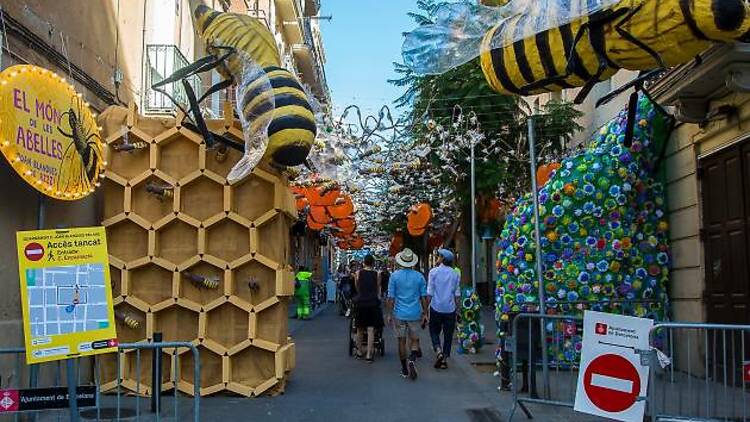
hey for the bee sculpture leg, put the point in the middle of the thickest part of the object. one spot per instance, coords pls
(594, 28)
(201, 65)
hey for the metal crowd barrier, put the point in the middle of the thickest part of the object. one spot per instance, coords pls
(560, 332)
(704, 380)
(118, 401)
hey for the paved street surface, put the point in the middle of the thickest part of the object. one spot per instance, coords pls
(328, 385)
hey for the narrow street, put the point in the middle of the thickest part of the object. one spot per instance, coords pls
(328, 385)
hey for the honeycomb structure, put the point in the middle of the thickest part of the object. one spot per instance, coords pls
(195, 258)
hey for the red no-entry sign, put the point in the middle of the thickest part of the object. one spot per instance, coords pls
(612, 375)
(34, 251)
(612, 383)
(746, 371)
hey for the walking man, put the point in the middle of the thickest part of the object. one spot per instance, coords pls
(443, 296)
(406, 308)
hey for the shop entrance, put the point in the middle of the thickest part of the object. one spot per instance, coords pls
(725, 187)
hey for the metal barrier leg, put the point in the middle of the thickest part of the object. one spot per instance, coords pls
(70, 372)
(156, 376)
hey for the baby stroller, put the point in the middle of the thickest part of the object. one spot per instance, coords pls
(379, 340)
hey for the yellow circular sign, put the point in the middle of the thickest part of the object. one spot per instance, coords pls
(48, 133)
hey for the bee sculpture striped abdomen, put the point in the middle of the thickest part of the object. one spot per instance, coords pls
(544, 62)
(292, 127)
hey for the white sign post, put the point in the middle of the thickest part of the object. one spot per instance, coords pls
(611, 377)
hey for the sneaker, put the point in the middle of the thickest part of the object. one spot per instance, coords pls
(412, 370)
(404, 373)
(348, 313)
(444, 364)
(439, 360)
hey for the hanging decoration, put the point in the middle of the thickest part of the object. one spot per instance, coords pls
(418, 218)
(48, 133)
(544, 172)
(505, 37)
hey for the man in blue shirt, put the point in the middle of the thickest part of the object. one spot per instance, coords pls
(443, 295)
(406, 307)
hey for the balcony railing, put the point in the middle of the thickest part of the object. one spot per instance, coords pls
(161, 62)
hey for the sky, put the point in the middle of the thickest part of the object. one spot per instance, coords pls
(361, 42)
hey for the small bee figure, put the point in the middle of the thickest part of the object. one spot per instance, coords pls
(81, 161)
(201, 281)
(161, 192)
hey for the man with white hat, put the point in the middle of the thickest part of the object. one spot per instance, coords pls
(406, 308)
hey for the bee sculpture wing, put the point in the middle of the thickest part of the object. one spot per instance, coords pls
(255, 107)
(456, 33)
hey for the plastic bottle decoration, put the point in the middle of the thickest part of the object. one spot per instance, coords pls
(604, 232)
(319, 214)
(470, 330)
(544, 172)
(343, 209)
(314, 225)
(397, 243)
(418, 218)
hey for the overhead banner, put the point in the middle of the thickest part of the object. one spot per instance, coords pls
(48, 134)
(66, 295)
(611, 379)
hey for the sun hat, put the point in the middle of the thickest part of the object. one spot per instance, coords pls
(446, 254)
(407, 258)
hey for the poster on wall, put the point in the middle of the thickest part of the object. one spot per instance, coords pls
(66, 295)
(48, 134)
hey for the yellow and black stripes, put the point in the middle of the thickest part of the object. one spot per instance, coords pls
(519, 58)
(548, 60)
(284, 106)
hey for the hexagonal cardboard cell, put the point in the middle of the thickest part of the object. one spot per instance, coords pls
(252, 367)
(127, 241)
(129, 164)
(115, 280)
(221, 164)
(114, 199)
(211, 369)
(273, 323)
(150, 283)
(227, 240)
(227, 325)
(130, 324)
(176, 242)
(149, 205)
(199, 293)
(178, 157)
(138, 364)
(176, 324)
(106, 365)
(274, 238)
(202, 198)
(254, 282)
(253, 197)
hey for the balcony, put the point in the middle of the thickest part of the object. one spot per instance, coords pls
(162, 60)
(721, 70)
(312, 7)
(309, 62)
(290, 12)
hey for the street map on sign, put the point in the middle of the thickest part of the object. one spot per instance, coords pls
(66, 293)
(64, 300)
